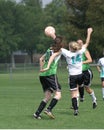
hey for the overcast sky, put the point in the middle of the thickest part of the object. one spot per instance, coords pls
(44, 1)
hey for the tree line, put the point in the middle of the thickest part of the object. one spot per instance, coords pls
(22, 25)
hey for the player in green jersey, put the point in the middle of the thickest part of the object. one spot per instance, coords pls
(49, 80)
(88, 75)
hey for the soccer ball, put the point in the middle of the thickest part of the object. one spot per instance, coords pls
(49, 31)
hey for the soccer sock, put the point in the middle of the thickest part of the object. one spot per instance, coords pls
(81, 92)
(41, 107)
(74, 103)
(78, 101)
(103, 92)
(93, 96)
(52, 104)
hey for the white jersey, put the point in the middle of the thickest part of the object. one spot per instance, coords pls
(74, 60)
(101, 64)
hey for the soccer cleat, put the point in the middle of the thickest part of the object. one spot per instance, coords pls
(94, 105)
(37, 116)
(49, 113)
(75, 112)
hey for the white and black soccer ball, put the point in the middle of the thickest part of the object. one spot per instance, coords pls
(49, 31)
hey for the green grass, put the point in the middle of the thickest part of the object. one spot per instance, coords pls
(21, 93)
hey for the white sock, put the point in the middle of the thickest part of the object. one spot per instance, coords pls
(93, 96)
(78, 99)
(103, 92)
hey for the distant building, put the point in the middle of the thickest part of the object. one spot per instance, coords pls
(20, 57)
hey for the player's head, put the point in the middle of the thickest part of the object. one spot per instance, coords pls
(80, 42)
(58, 40)
(74, 46)
(57, 45)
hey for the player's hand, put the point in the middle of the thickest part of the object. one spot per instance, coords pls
(52, 35)
(43, 70)
(89, 30)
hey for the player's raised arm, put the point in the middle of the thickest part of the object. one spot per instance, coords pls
(89, 32)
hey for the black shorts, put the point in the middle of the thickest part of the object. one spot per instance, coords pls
(50, 83)
(88, 76)
(75, 80)
(102, 79)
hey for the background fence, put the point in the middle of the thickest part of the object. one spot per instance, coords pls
(24, 67)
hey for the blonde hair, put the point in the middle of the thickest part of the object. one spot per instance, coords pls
(74, 46)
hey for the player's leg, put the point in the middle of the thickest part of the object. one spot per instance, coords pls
(74, 94)
(47, 96)
(55, 86)
(87, 83)
(77, 100)
(52, 104)
(42, 104)
(81, 93)
(81, 88)
(102, 82)
(54, 101)
(92, 94)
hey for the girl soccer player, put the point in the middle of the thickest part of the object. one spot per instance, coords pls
(100, 67)
(49, 80)
(88, 75)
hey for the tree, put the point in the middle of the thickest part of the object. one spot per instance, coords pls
(94, 16)
(84, 14)
(33, 26)
(55, 16)
(77, 12)
(8, 38)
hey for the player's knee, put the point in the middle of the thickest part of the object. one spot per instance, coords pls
(58, 96)
(46, 99)
(89, 90)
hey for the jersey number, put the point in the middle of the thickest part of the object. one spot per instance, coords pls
(76, 59)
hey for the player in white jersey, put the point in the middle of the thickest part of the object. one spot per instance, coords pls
(74, 62)
(100, 67)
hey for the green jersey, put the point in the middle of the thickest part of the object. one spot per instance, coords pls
(53, 68)
(85, 66)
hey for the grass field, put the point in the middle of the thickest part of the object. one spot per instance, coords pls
(21, 93)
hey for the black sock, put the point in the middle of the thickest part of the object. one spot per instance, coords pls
(74, 103)
(41, 107)
(81, 92)
(52, 104)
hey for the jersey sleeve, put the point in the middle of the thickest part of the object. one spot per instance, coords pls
(83, 49)
(64, 52)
